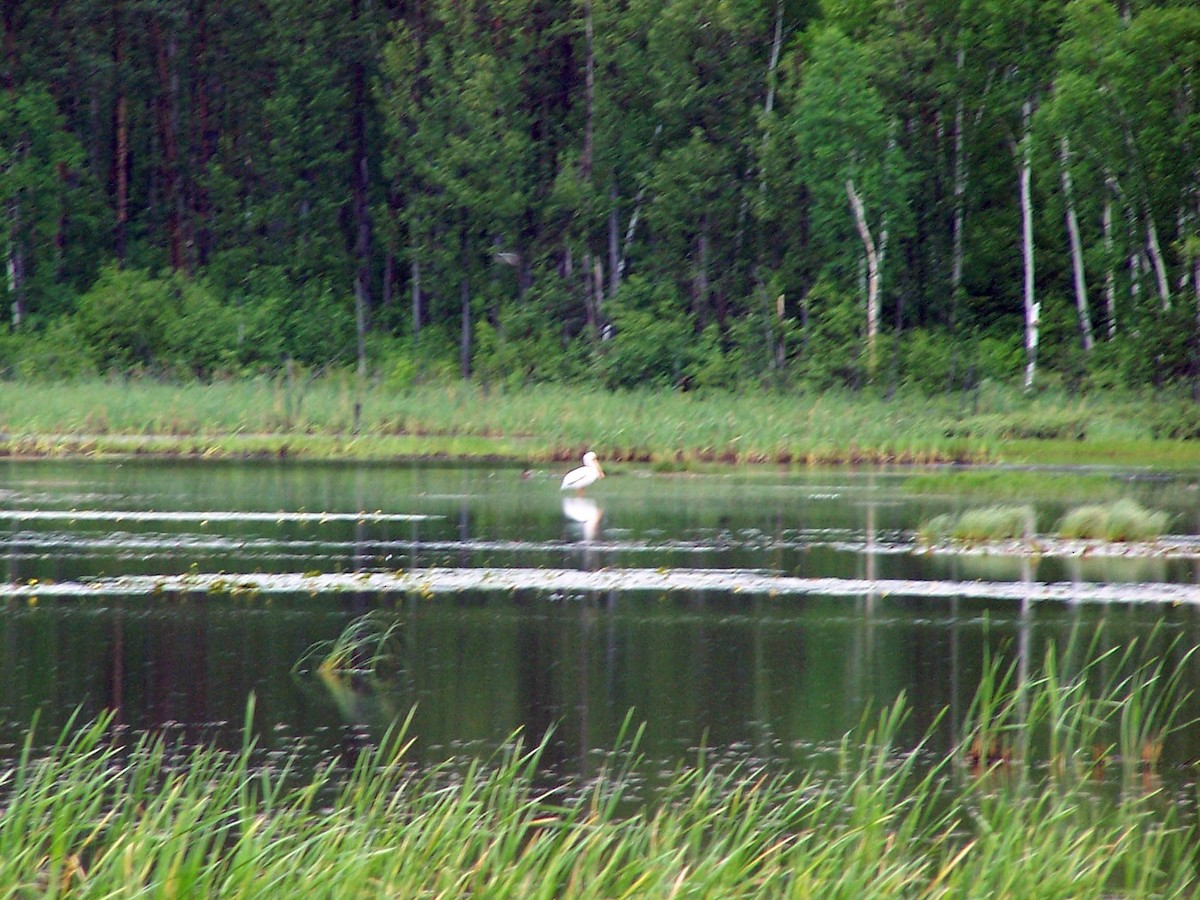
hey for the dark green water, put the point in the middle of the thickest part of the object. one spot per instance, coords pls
(749, 675)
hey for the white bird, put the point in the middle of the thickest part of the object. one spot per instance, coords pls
(589, 473)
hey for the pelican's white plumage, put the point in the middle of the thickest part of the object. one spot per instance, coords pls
(589, 473)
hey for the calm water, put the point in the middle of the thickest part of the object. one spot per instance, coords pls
(768, 676)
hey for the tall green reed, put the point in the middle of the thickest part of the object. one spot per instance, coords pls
(100, 814)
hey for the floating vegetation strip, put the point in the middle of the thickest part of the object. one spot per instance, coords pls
(571, 581)
(140, 515)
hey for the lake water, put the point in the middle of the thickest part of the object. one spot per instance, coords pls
(770, 673)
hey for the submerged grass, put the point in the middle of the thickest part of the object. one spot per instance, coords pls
(336, 415)
(92, 818)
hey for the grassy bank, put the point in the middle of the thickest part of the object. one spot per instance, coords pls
(333, 417)
(1050, 791)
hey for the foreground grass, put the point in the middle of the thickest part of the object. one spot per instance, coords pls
(89, 818)
(336, 417)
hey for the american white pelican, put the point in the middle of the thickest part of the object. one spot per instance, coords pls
(589, 473)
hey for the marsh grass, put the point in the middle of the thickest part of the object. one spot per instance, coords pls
(973, 526)
(337, 415)
(92, 816)
(1122, 520)
(1008, 484)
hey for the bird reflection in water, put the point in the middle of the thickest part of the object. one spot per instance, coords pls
(585, 513)
(584, 516)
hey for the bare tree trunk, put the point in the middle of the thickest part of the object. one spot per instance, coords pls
(1156, 260)
(630, 230)
(773, 63)
(15, 264)
(700, 288)
(464, 288)
(598, 288)
(206, 138)
(1135, 254)
(590, 303)
(464, 347)
(362, 209)
(362, 270)
(415, 285)
(121, 135)
(1081, 300)
(589, 81)
(872, 259)
(960, 202)
(614, 248)
(1110, 277)
(1032, 306)
(164, 53)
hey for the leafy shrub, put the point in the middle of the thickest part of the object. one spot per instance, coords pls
(1178, 420)
(202, 338)
(835, 338)
(1158, 349)
(130, 320)
(520, 349)
(654, 341)
(927, 357)
(309, 321)
(57, 354)
(124, 318)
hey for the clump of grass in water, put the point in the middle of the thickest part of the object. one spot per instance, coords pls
(367, 647)
(1124, 520)
(973, 526)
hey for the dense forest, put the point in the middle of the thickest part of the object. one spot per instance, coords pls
(689, 193)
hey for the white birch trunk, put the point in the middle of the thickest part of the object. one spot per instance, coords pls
(1156, 261)
(1032, 306)
(1135, 255)
(872, 260)
(1110, 276)
(15, 265)
(1081, 300)
(629, 232)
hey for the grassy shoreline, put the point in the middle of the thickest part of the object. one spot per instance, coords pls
(334, 417)
(1017, 807)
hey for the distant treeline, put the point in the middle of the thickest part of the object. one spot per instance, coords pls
(675, 192)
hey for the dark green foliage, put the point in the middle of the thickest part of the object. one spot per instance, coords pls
(654, 342)
(502, 182)
(1173, 419)
(125, 317)
(57, 354)
(130, 321)
(833, 352)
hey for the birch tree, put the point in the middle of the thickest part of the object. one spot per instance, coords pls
(1016, 39)
(851, 166)
(34, 149)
